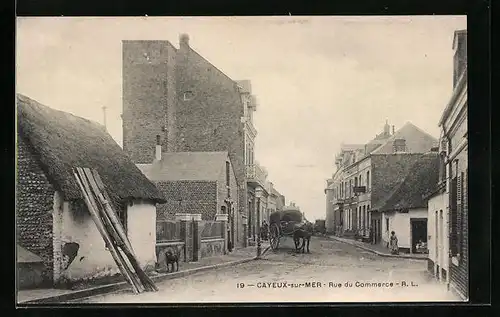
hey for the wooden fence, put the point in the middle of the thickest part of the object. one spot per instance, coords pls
(167, 231)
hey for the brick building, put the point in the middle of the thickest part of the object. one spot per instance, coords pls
(449, 259)
(194, 107)
(52, 220)
(366, 175)
(197, 183)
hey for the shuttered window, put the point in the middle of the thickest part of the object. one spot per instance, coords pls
(460, 217)
(453, 217)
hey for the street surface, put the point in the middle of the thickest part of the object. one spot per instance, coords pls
(284, 276)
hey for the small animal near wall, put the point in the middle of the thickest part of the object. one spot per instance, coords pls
(169, 258)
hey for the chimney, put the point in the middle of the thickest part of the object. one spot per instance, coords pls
(184, 41)
(460, 57)
(387, 129)
(104, 117)
(393, 130)
(158, 148)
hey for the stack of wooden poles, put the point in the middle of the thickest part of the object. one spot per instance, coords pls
(107, 222)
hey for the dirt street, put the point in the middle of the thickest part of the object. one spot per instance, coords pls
(332, 272)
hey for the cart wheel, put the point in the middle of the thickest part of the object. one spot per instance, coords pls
(274, 236)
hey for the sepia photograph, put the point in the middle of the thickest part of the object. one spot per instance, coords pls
(241, 159)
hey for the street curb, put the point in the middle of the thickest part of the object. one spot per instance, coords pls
(377, 252)
(109, 288)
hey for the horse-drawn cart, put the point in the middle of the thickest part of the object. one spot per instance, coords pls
(283, 223)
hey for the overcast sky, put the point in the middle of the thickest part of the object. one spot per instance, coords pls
(320, 81)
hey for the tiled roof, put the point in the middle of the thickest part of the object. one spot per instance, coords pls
(199, 166)
(421, 180)
(352, 147)
(417, 140)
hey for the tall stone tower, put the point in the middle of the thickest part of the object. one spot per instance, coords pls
(149, 98)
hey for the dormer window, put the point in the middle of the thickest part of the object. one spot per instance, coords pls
(188, 95)
(399, 145)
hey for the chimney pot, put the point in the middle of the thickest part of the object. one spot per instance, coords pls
(184, 40)
(158, 148)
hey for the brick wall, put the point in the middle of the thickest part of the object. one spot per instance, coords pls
(34, 205)
(459, 274)
(153, 97)
(188, 197)
(148, 98)
(211, 120)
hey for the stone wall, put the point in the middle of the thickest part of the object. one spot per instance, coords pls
(34, 206)
(212, 247)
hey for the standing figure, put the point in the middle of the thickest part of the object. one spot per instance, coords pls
(393, 242)
(264, 230)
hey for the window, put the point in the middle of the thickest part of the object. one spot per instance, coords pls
(386, 224)
(399, 145)
(460, 212)
(442, 167)
(188, 95)
(355, 181)
(360, 180)
(367, 180)
(359, 217)
(365, 218)
(228, 169)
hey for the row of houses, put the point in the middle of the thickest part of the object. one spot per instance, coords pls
(412, 183)
(371, 183)
(188, 157)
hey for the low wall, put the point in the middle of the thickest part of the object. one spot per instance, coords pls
(212, 247)
(175, 246)
(30, 275)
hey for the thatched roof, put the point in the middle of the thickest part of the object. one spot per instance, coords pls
(421, 180)
(62, 141)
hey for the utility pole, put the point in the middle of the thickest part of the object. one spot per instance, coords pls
(104, 116)
(258, 194)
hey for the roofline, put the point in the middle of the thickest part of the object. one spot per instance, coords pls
(393, 137)
(211, 64)
(441, 188)
(456, 92)
(457, 32)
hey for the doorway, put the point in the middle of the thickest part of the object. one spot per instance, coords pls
(377, 232)
(436, 245)
(418, 232)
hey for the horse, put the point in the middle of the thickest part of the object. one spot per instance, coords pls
(304, 232)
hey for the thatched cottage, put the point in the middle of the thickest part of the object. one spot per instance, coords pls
(53, 221)
(405, 209)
